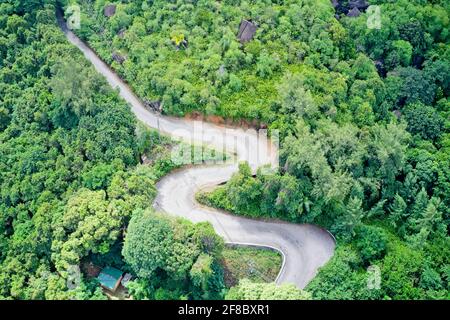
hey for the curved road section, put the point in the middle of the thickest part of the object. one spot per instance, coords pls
(305, 248)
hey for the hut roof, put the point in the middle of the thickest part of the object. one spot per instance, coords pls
(117, 57)
(109, 10)
(360, 4)
(110, 277)
(354, 12)
(247, 30)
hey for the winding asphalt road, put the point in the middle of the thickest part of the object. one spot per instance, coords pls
(305, 248)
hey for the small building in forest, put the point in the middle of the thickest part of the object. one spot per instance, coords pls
(118, 57)
(360, 4)
(155, 105)
(109, 10)
(351, 8)
(110, 278)
(247, 30)
(354, 13)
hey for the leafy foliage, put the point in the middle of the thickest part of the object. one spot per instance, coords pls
(247, 290)
(163, 250)
(363, 116)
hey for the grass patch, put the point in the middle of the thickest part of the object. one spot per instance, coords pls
(257, 265)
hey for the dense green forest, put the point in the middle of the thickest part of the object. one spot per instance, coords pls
(72, 184)
(68, 151)
(364, 121)
(70, 175)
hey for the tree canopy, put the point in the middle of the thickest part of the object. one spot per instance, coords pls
(363, 116)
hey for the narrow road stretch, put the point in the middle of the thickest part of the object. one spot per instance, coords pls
(304, 247)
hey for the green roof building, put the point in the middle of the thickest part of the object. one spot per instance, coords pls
(110, 278)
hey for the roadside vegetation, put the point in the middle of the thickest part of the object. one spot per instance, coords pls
(363, 116)
(78, 177)
(68, 158)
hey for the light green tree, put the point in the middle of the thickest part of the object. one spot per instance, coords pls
(247, 290)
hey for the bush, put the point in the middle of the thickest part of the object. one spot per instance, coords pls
(371, 243)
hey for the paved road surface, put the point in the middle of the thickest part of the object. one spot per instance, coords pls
(305, 247)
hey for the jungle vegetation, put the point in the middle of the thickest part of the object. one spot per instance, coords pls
(363, 116)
